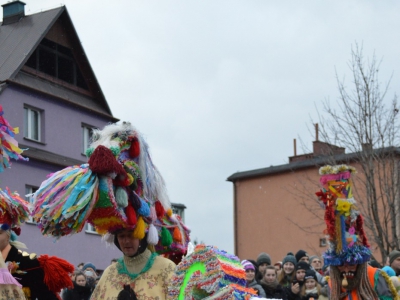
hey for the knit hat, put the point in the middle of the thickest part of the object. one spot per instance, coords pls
(347, 240)
(289, 258)
(393, 255)
(389, 271)
(302, 265)
(88, 265)
(248, 265)
(313, 257)
(263, 258)
(300, 254)
(310, 274)
(119, 188)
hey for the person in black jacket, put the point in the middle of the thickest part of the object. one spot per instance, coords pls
(271, 286)
(81, 290)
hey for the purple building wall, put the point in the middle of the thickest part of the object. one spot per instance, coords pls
(62, 135)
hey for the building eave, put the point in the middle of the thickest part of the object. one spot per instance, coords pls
(314, 162)
(48, 157)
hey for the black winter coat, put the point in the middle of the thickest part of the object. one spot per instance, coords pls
(277, 293)
(77, 293)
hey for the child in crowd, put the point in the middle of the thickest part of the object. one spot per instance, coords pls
(271, 286)
(286, 275)
(311, 289)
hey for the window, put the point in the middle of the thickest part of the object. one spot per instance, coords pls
(28, 191)
(58, 61)
(87, 133)
(179, 209)
(90, 229)
(322, 242)
(32, 124)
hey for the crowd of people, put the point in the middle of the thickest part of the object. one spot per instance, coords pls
(84, 279)
(302, 277)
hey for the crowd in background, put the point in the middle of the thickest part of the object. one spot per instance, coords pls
(85, 278)
(300, 276)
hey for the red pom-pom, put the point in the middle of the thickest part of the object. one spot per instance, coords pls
(56, 272)
(131, 215)
(103, 162)
(134, 150)
(17, 230)
(159, 210)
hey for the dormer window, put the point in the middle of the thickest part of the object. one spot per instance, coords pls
(57, 61)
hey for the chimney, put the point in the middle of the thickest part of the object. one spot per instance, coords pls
(13, 12)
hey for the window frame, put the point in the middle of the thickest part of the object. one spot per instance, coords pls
(30, 189)
(87, 134)
(28, 115)
(90, 229)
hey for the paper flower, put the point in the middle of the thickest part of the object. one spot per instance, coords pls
(343, 207)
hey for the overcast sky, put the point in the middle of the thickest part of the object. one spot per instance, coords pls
(218, 87)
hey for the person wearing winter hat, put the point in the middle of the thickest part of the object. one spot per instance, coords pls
(293, 291)
(251, 282)
(287, 273)
(263, 260)
(89, 270)
(311, 288)
(302, 255)
(394, 261)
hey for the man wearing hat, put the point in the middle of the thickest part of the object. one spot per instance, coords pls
(263, 260)
(394, 261)
(351, 277)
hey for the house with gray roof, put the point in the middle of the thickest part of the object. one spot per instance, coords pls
(49, 90)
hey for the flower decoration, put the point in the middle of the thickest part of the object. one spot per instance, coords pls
(343, 207)
(336, 169)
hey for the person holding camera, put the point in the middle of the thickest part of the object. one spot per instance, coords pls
(293, 291)
(81, 290)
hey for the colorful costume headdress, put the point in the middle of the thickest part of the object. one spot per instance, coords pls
(119, 188)
(348, 243)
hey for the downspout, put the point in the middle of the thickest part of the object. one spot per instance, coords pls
(235, 238)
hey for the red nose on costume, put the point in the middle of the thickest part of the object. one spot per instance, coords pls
(103, 162)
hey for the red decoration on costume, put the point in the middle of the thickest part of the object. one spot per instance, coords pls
(56, 272)
(131, 215)
(17, 230)
(103, 162)
(121, 182)
(330, 221)
(360, 229)
(159, 209)
(134, 150)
